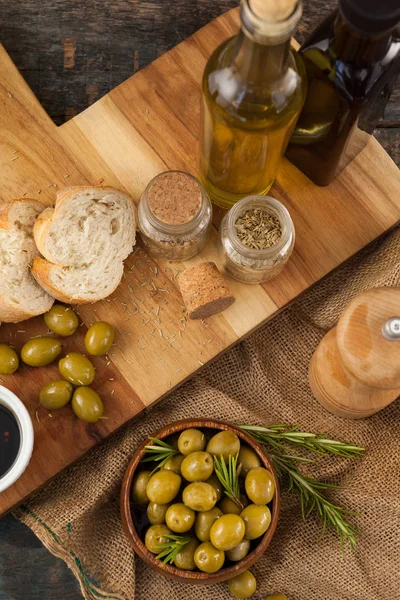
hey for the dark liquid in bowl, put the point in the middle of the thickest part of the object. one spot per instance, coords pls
(10, 439)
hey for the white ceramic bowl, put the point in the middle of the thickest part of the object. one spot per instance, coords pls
(14, 404)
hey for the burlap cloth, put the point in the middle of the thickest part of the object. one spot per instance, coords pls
(262, 380)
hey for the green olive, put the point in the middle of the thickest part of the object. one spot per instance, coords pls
(61, 319)
(209, 559)
(76, 368)
(260, 486)
(199, 496)
(163, 487)
(40, 351)
(224, 443)
(197, 466)
(204, 521)
(155, 537)
(217, 485)
(174, 464)
(56, 394)
(277, 597)
(227, 532)
(138, 491)
(256, 519)
(191, 440)
(229, 507)
(179, 518)
(243, 585)
(87, 404)
(240, 551)
(248, 460)
(185, 557)
(9, 360)
(99, 338)
(156, 512)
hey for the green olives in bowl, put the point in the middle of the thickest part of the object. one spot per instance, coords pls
(197, 466)
(139, 494)
(215, 547)
(163, 486)
(61, 320)
(180, 518)
(185, 557)
(155, 536)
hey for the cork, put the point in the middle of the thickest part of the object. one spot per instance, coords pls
(174, 198)
(204, 291)
(273, 10)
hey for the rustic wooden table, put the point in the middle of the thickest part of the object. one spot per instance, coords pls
(71, 52)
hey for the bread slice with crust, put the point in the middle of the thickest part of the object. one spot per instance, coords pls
(84, 240)
(20, 296)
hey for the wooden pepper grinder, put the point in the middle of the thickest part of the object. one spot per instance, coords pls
(355, 370)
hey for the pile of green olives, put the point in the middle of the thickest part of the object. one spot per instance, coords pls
(76, 369)
(186, 497)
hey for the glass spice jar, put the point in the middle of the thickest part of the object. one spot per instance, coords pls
(256, 264)
(174, 216)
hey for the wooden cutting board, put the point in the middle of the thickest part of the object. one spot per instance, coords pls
(146, 125)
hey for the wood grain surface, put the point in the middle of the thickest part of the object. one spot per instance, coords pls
(71, 53)
(146, 125)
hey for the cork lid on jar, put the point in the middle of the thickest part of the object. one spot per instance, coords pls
(175, 197)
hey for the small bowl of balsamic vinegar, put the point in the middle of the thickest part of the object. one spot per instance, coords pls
(16, 438)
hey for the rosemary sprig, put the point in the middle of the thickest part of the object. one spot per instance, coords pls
(312, 498)
(170, 549)
(229, 477)
(276, 440)
(277, 436)
(160, 452)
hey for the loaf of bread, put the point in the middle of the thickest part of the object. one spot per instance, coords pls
(204, 291)
(20, 296)
(84, 240)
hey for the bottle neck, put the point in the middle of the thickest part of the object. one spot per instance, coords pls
(358, 48)
(259, 62)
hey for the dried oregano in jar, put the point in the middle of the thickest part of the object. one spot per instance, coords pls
(174, 216)
(256, 239)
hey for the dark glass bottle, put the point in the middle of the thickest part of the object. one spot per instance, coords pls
(352, 60)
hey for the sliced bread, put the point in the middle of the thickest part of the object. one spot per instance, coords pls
(20, 296)
(84, 240)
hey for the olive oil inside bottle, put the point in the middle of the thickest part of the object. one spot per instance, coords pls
(252, 95)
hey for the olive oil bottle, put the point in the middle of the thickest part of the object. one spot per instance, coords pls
(352, 60)
(253, 90)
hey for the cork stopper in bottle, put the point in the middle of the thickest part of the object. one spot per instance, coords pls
(273, 10)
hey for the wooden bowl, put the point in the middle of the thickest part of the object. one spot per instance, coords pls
(169, 570)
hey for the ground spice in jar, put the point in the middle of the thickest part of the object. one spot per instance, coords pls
(258, 228)
(175, 198)
(174, 216)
